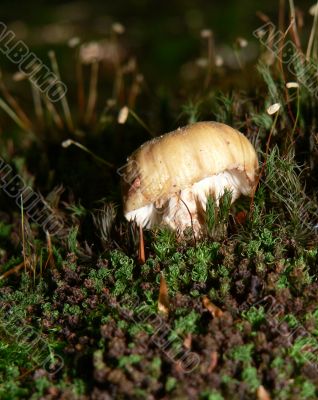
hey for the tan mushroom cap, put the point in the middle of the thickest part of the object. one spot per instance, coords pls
(174, 161)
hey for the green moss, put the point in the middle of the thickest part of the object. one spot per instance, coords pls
(72, 239)
(170, 384)
(243, 353)
(308, 390)
(187, 323)
(304, 350)
(164, 244)
(5, 230)
(129, 360)
(249, 376)
(211, 395)
(255, 316)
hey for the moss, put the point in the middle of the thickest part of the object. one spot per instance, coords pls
(255, 315)
(242, 353)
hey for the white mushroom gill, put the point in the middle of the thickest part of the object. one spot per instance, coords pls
(186, 208)
(168, 180)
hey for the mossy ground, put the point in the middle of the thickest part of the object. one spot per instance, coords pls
(80, 319)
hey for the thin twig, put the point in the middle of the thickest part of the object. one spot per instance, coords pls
(8, 110)
(141, 122)
(92, 97)
(65, 105)
(294, 30)
(70, 142)
(37, 105)
(52, 111)
(12, 271)
(192, 226)
(80, 84)
(312, 33)
(14, 104)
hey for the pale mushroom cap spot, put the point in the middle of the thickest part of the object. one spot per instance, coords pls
(169, 164)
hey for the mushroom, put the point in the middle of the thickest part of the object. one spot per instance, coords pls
(167, 180)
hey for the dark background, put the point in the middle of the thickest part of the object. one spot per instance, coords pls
(163, 35)
(165, 39)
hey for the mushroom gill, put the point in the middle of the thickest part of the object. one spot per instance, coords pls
(168, 180)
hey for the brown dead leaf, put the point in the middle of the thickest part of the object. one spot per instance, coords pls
(141, 252)
(163, 301)
(214, 310)
(262, 393)
(50, 259)
(213, 362)
(241, 217)
(188, 341)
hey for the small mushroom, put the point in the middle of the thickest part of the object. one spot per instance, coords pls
(168, 180)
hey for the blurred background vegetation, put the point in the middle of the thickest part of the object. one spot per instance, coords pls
(161, 35)
(152, 56)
